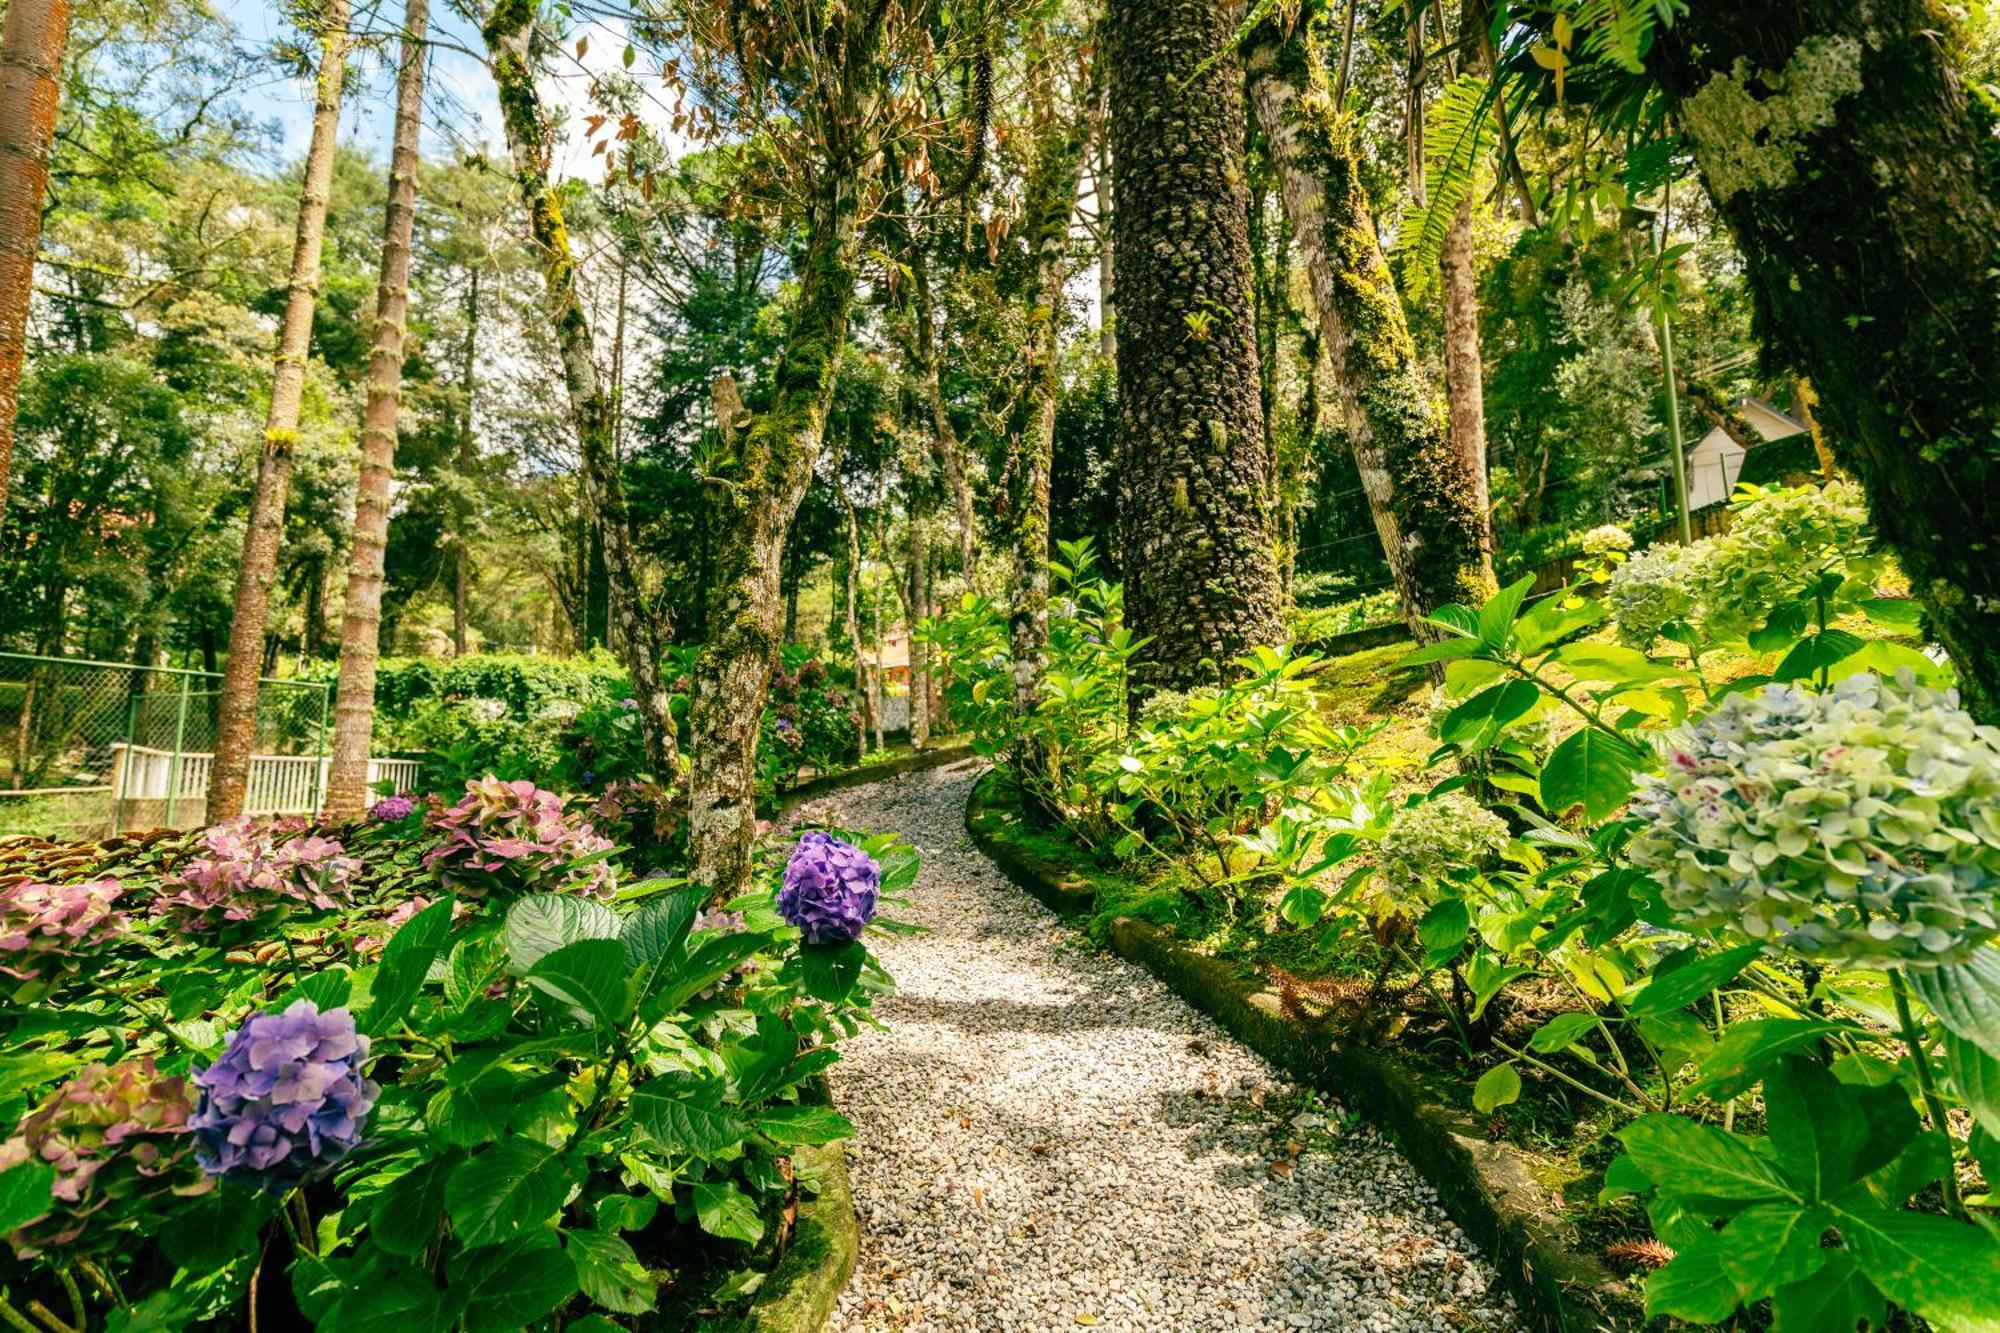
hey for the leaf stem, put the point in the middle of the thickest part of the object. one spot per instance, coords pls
(1920, 1058)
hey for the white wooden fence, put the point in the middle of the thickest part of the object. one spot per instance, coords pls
(280, 784)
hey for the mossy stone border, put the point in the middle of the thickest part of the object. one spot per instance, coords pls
(799, 1295)
(936, 756)
(1487, 1188)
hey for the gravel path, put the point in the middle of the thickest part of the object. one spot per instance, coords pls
(1050, 1139)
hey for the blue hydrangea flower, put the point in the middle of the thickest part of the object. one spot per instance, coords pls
(829, 889)
(286, 1100)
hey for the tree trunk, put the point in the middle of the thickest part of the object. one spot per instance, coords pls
(361, 617)
(1201, 580)
(1427, 502)
(864, 682)
(236, 724)
(1047, 208)
(1862, 183)
(951, 453)
(31, 52)
(461, 509)
(509, 38)
(913, 613)
(761, 478)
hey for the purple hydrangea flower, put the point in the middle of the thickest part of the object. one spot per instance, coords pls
(391, 808)
(45, 927)
(629, 705)
(287, 1098)
(829, 889)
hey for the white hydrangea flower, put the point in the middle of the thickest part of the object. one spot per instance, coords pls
(1775, 543)
(1425, 843)
(1858, 826)
(1604, 539)
(1655, 588)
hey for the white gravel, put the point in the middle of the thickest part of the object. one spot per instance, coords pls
(1050, 1139)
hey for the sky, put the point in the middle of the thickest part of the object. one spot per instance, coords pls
(461, 112)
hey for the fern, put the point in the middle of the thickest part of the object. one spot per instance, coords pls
(1618, 31)
(1458, 134)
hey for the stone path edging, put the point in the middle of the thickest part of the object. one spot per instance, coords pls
(1486, 1187)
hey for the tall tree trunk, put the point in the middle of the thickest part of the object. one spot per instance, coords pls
(916, 594)
(1464, 367)
(361, 618)
(864, 681)
(1107, 263)
(1869, 223)
(236, 723)
(31, 52)
(1426, 500)
(461, 508)
(509, 34)
(761, 477)
(1050, 201)
(1201, 580)
(875, 631)
(950, 451)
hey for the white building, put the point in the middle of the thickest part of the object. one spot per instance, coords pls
(1716, 461)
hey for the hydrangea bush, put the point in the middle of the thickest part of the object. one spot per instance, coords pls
(249, 868)
(1434, 842)
(512, 834)
(50, 928)
(1860, 825)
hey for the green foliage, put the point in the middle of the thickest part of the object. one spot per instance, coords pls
(579, 1100)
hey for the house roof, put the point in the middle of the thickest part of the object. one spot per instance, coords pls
(1771, 423)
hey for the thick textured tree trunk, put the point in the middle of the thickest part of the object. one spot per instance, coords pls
(461, 515)
(31, 52)
(1050, 201)
(361, 617)
(236, 723)
(509, 36)
(1861, 180)
(762, 478)
(1427, 501)
(1201, 578)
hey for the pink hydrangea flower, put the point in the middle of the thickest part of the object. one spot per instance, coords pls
(45, 927)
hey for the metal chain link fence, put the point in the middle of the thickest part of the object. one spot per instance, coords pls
(91, 748)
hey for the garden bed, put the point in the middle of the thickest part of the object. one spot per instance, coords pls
(1491, 1189)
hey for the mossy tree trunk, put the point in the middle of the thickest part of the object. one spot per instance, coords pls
(31, 51)
(1427, 500)
(1047, 208)
(236, 720)
(510, 36)
(1861, 180)
(1464, 368)
(1201, 576)
(361, 616)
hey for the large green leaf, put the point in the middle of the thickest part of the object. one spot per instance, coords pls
(1836, 1297)
(406, 961)
(726, 1211)
(672, 986)
(609, 1272)
(830, 970)
(544, 922)
(1561, 1032)
(1590, 768)
(1965, 997)
(656, 932)
(404, 1217)
(1497, 1087)
(1694, 1286)
(799, 1125)
(1976, 1076)
(1443, 930)
(1612, 664)
(1549, 620)
(26, 1192)
(1945, 1270)
(1771, 1245)
(509, 1288)
(685, 1115)
(391, 1302)
(589, 977)
(1737, 1063)
(512, 1187)
(1496, 618)
(1812, 1125)
(1478, 722)
(1446, 650)
(1816, 653)
(1676, 985)
(1684, 1157)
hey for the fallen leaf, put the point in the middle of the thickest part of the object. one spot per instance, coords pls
(1086, 1319)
